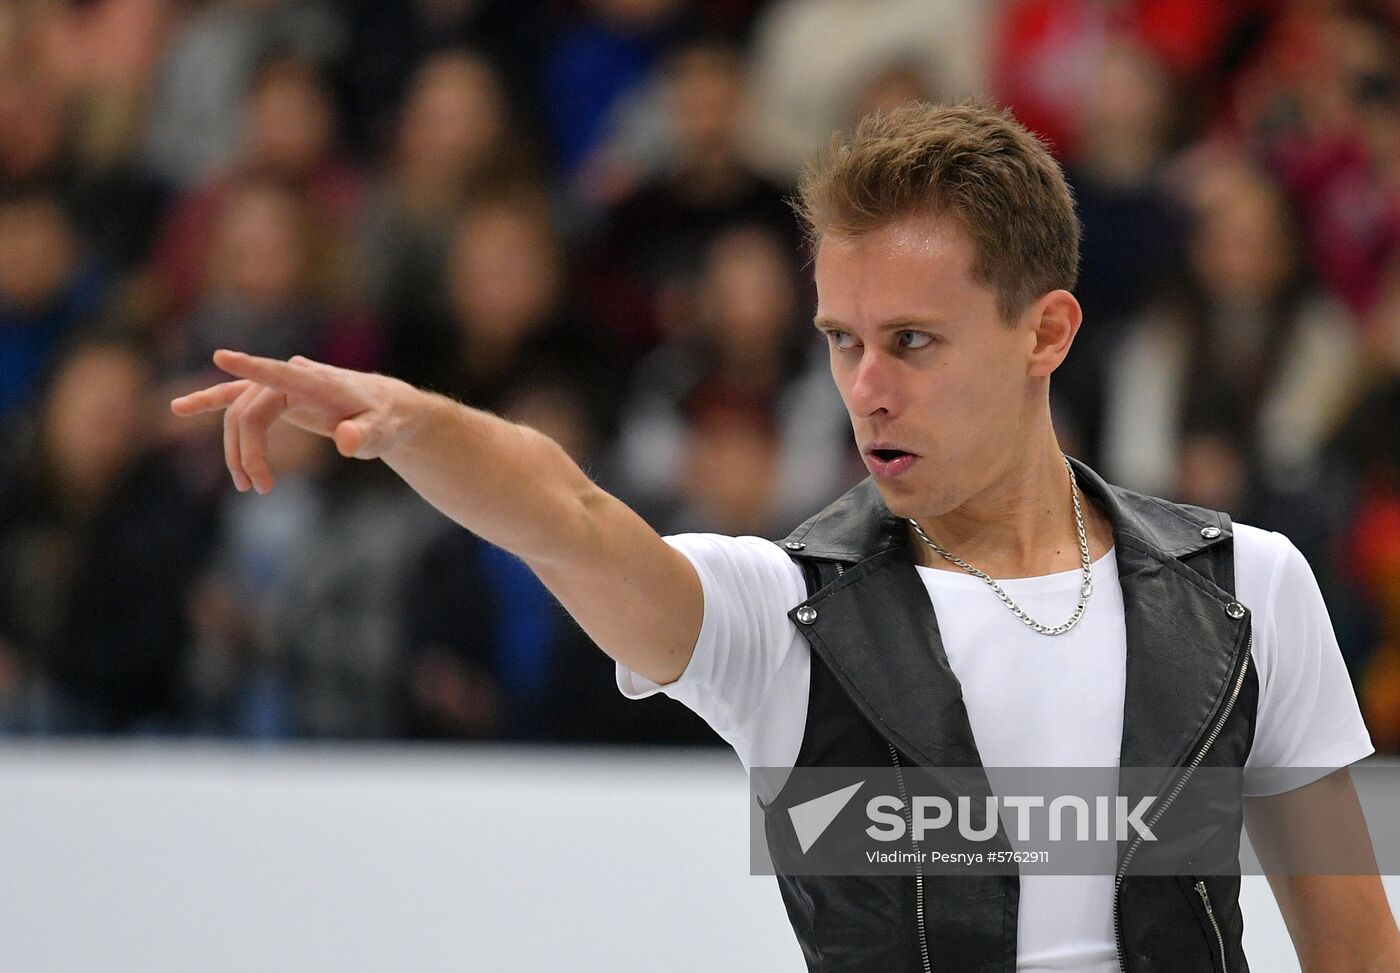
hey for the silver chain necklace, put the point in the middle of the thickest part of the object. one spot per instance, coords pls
(1085, 588)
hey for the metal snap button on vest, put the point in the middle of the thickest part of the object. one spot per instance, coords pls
(1235, 610)
(794, 545)
(1210, 533)
(806, 614)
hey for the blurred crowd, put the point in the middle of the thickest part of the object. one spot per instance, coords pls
(574, 213)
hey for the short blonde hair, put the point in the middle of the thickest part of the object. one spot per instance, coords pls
(971, 162)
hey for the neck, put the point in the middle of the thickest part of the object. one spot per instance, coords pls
(1021, 525)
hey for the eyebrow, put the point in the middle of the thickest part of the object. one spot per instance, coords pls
(895, 324)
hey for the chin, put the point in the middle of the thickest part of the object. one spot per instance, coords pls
(900, 504)
(910, 501)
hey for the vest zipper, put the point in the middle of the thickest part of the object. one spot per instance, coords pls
(1161, 808)
(909, 822)
(918, 868)
(1210, 914)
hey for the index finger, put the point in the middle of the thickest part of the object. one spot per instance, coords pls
(219, 396)
(281, 375)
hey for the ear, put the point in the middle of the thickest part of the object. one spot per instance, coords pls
(1053, 321)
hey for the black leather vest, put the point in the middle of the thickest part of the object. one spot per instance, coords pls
(882, 692)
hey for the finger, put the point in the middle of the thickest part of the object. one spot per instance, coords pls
(215, 397)
(232, 451)
(253, 423)
(286, 376)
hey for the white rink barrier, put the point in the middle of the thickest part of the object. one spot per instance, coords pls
(184, 856)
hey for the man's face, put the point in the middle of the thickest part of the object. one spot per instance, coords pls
(934, 379)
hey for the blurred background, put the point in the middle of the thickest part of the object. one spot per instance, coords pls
(574, 212)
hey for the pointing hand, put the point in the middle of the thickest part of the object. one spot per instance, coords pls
(364, 413)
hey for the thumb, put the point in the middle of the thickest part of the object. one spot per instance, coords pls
(350, 436)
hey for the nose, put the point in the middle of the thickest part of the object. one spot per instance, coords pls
(874, 385)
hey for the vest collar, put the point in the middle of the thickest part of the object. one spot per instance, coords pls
(876, 630)
(858, 525)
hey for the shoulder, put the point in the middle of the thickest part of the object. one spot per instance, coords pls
(1265, 560)
(745, 570)
(737, 553)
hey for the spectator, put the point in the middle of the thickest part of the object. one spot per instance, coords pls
(34, 137)
(345, 630)
(455, 142)
(45, 149)
(891, 85)
(288, 136)
(299, 630)
(729, 471)
(100, 543)
(1240, 379)
(196, 106)
(507, 318)
(1332, 134)
(244, 616)
(745, 354)
(1134, 227)
(49, 287)
(656, 237)
(274, 284)
(389, 42)
(810, 55)
(1368, 447)
(603, 55)
(1046, 55)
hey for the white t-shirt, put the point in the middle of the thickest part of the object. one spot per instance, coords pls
(1031, 700)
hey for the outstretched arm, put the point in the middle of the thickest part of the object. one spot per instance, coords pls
(635, 596)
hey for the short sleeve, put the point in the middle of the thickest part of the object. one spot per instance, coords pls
(1308, 722)
(747, 677)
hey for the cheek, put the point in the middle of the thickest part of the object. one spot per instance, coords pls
(965, 400)
(1000, 371)
(953, 387)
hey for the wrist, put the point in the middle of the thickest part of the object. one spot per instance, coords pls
(416, 412)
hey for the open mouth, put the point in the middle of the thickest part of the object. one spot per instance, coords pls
(888, 461)
(889, 455)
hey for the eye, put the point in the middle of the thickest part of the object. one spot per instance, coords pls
(840, 340)
(914, 339)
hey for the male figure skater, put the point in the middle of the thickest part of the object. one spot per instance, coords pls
(1124, 629)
